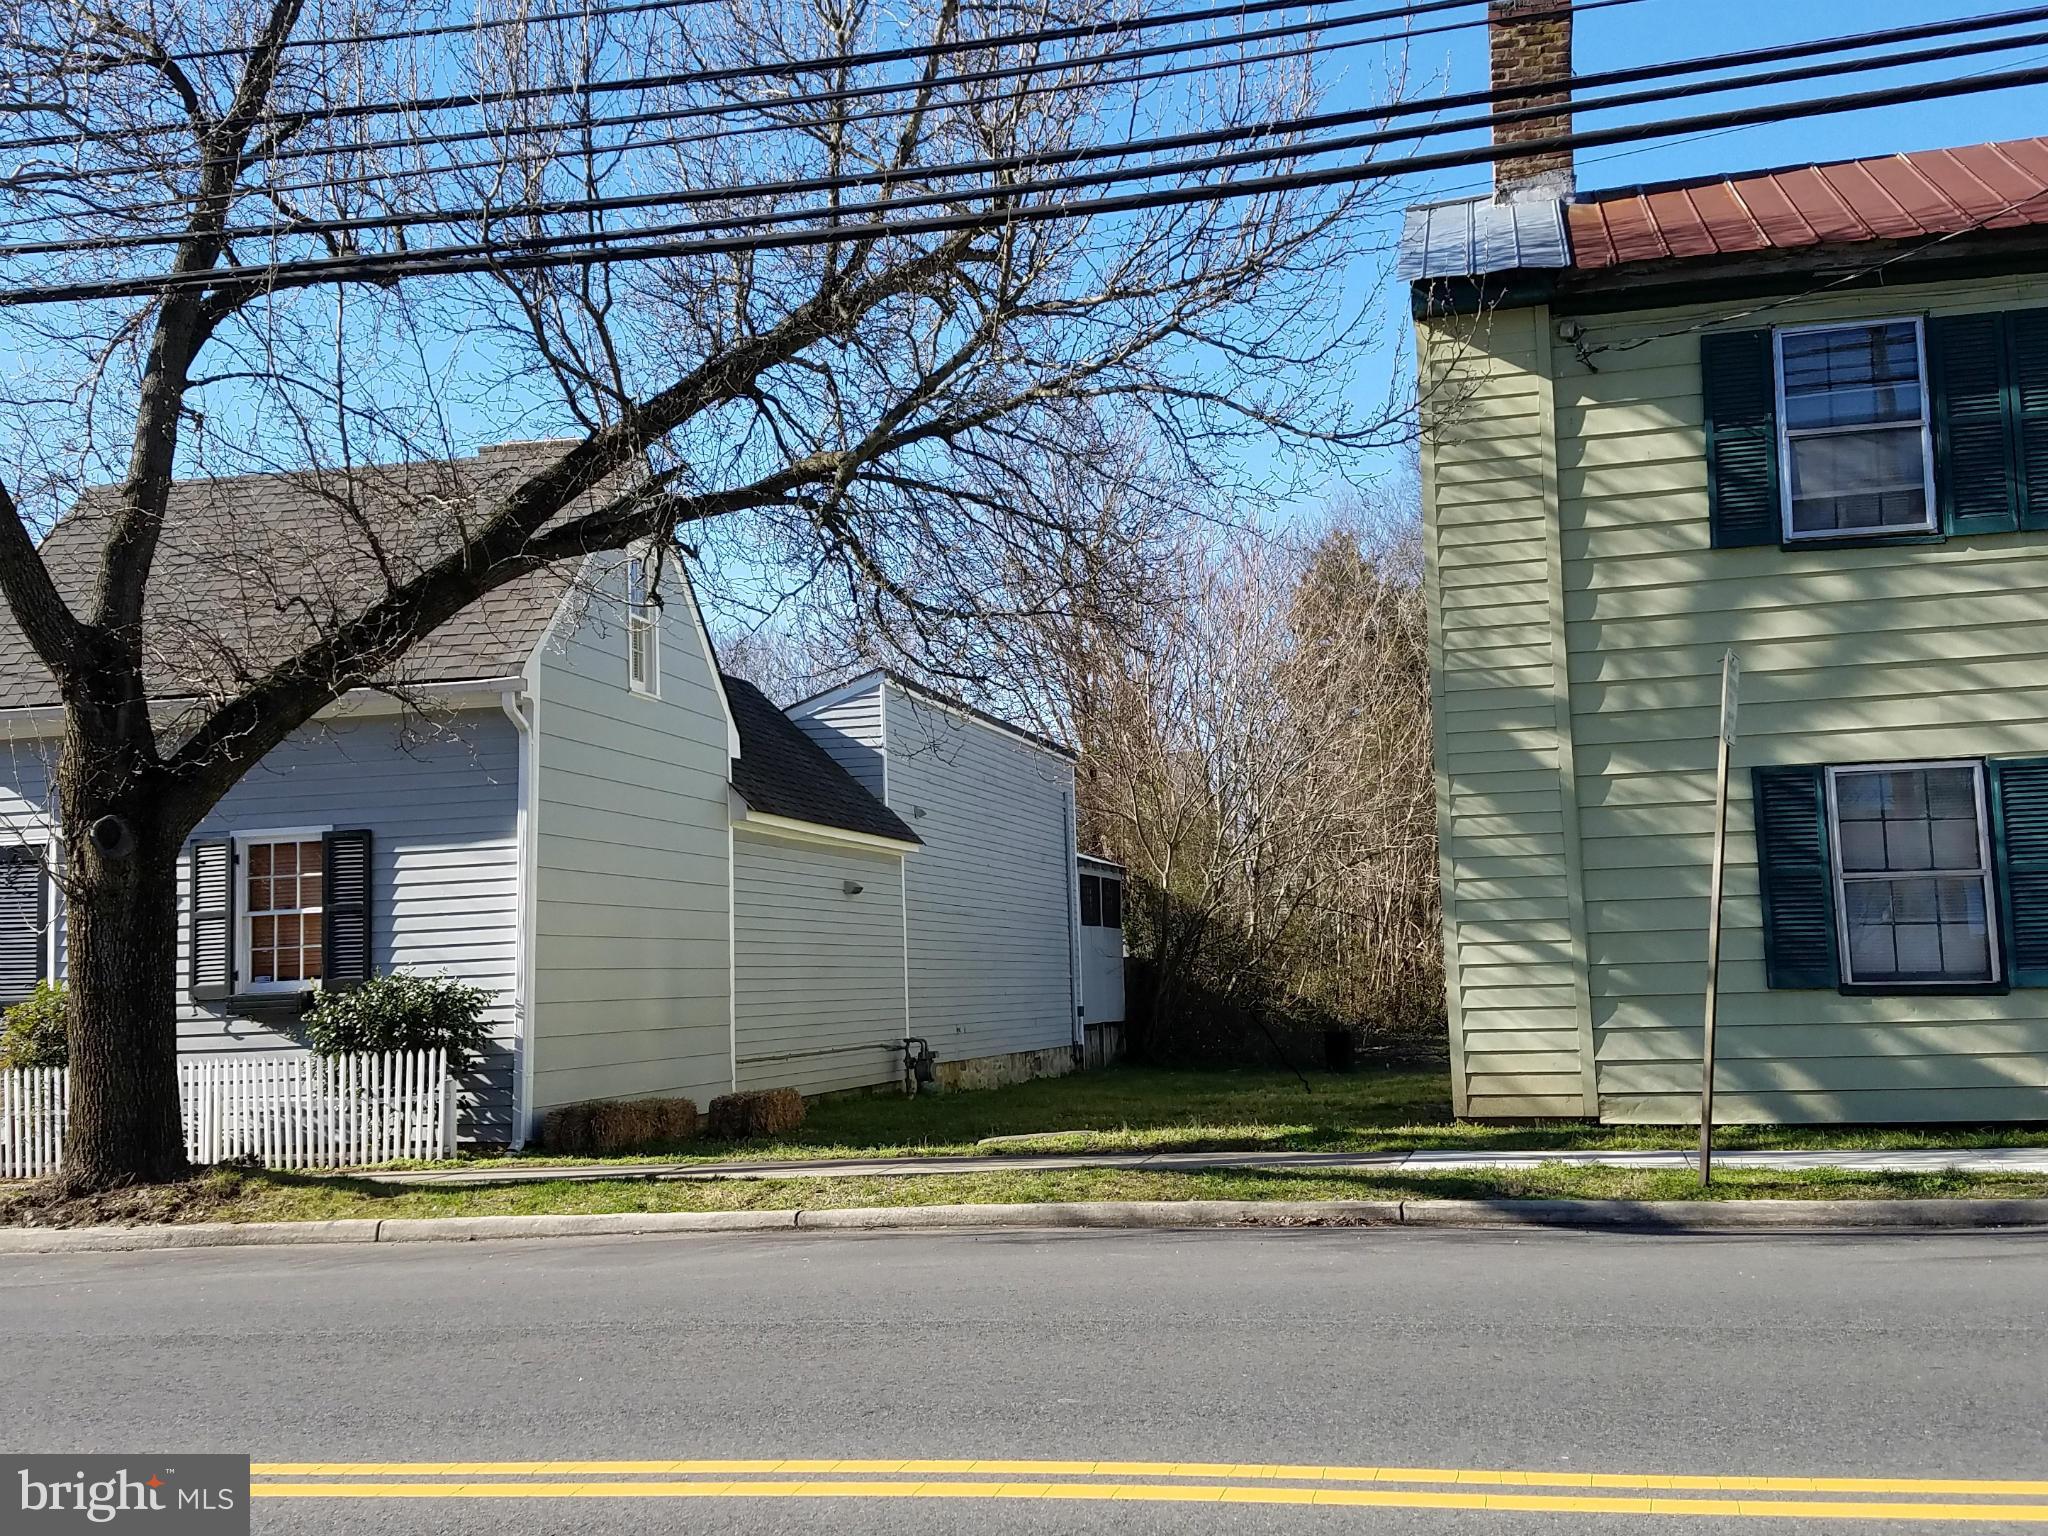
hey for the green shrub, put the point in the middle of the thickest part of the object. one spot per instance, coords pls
(32, 1032)
(752, 1116)
(609, 1127)
(402, 1012)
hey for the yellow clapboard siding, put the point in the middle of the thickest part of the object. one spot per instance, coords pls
(1491, 573)
(1831, 1074)
(1522, 1098)
(1894, 1106)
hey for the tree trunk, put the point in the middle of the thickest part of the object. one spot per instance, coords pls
(122, 955)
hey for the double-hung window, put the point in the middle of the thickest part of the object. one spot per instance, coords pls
(1913, 874)
(643, 632)
(1856, 452)
(283, 909)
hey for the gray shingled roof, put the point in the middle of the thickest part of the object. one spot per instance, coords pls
(782, 772)
(250, 566)
(1478, 235)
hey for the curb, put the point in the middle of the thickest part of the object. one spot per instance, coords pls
(1671, 1218)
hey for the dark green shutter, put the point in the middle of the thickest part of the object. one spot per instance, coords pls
(1798, 883)
(1974, 478)
(24, 923)
(345, 920)
(2019, 840)
(2027, 356)
(210, 947)
(1738, 377)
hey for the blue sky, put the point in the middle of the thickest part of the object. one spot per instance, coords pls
(1630, 34)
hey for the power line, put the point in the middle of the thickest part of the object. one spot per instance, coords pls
(438, 262)
(1307, 124)
(449, 29)
(840, 94)
(783, 69)
(1582, 82)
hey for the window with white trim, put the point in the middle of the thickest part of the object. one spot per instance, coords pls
(1913, 873)
(643, 631)
(1855, 445)
(283, 907)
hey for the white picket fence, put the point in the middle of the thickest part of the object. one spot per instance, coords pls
(283, 1111)
(33, 1104)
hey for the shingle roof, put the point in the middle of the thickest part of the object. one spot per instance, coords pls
(782, 772)
(1888, 197)
(250, 566)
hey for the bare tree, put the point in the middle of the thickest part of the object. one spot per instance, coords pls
(1370, 947)
(316, 235)
(1258, 756)
(1082, 567)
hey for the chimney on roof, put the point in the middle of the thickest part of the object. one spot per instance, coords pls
(1532, 45)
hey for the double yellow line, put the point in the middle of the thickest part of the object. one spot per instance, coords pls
(1923, 1499)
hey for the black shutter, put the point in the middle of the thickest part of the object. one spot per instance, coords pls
(2019, 841)
(1112, 903)
(1798, 883)
(210, 955)
(2027, 355)
(24, 923)
(1974, 478)
(345, 922)
(1738, 377)
(1091, 902)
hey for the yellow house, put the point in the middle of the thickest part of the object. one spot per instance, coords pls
(1800, 414)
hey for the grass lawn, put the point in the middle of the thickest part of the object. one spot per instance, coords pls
(1151, 1109)
(234, 1195)
(1122, 1109)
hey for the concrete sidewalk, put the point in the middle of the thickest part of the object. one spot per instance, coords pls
(1973, 1160)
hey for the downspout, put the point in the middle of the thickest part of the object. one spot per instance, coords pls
(1075, 996)
(732, 937)
(517, 706)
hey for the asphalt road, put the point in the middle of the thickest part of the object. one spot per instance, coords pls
(1887, 1358)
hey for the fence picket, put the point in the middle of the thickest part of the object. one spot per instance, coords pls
(407, 1087)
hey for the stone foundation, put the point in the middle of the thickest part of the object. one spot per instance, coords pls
(997, 1071)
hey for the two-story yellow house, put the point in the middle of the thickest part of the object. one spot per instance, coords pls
(1803, 414)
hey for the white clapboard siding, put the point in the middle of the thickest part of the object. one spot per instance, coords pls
(989, 894)
(280, 1111)
(632, 957)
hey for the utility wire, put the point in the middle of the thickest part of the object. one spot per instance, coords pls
(450, 29)
(1593, 81)
(433, 261)
(782, 69)
(780, 103)
(1003, 165)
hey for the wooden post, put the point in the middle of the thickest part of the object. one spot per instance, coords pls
(1731, 687)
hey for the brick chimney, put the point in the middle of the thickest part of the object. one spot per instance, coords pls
(1532, 44)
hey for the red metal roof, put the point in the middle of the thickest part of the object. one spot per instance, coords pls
(1891, 197)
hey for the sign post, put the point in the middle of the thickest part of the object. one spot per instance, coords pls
(1731, 690)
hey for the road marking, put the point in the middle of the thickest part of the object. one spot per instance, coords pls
(1354, 1498)
(1221, 1470)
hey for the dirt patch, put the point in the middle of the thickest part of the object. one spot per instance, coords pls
(204, 1197)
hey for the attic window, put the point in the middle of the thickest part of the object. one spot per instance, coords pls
(1857, 452)
(643, 633)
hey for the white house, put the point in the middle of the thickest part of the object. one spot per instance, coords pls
(668, 885)
(990, 911)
